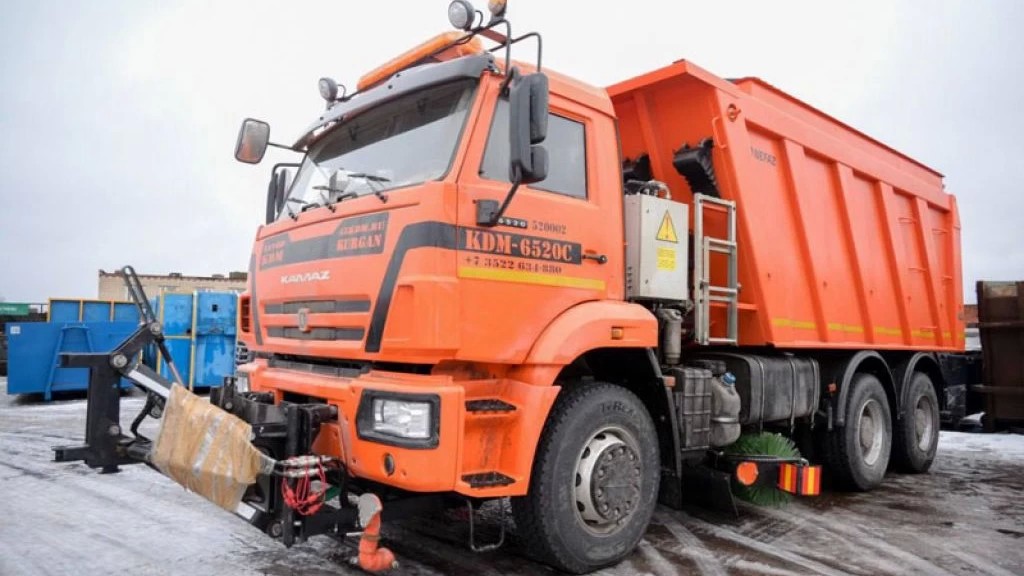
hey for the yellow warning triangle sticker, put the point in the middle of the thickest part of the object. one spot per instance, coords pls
(667, 232)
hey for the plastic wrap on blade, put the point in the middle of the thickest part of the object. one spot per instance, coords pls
(207, 450)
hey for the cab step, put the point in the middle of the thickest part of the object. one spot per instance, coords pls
(489, 405)
(487, 479)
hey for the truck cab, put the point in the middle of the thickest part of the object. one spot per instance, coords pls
(395, 266)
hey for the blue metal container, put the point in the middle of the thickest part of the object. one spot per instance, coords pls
(35, 349)
(62, 311)
(200, 332)
(74, 325)
(213, 355)
(125, 312)
(96, 310)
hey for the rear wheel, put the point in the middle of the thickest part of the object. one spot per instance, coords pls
(595, 480)
(858, 453)
(917, 432)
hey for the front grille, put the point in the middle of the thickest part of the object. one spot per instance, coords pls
(343, 369)
(350, 334)
(318, 306)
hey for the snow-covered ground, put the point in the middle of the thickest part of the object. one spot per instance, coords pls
(964, 518)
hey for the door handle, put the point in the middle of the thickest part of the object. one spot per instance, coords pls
(599, 258)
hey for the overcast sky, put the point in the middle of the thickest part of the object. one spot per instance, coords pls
(118, 119)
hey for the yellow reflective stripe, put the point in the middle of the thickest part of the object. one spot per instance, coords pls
(790, 323)
(853, 328)
(501, 275)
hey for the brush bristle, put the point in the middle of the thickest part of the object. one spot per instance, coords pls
(763, 444)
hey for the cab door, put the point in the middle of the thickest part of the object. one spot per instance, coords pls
(560, 240)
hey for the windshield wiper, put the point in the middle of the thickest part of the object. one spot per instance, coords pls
(342, 195)
(305, 206)
(372, 179)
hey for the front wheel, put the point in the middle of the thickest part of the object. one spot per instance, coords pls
(595, 480)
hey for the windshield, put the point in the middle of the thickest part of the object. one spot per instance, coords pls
(405, 141)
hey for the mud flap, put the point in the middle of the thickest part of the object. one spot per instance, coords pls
(709, 488)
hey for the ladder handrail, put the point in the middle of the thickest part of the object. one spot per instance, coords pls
(703, 291)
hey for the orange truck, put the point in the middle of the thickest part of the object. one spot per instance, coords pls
(488, 280)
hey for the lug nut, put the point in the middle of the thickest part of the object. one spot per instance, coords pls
(276, 530)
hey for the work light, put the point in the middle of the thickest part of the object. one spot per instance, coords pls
(461, 14)
(328, 89)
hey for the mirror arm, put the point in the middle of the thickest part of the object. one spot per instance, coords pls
(489, 213)
(275, 145)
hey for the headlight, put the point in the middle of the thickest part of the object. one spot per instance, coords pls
(401, 419)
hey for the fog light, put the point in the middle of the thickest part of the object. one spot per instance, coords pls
(461, 14)
(402, 418)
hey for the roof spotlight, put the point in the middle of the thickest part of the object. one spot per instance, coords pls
(328, 89)
(461, 14)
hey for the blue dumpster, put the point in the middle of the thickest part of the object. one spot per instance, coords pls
(35, 349)
(200, 332)
(74, 325)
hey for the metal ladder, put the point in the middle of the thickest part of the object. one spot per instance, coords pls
(704, 293)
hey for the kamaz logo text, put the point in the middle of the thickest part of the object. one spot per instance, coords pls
(320, 276)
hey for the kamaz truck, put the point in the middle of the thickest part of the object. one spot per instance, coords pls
(482, 279)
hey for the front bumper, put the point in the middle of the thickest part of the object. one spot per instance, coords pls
(484, 431)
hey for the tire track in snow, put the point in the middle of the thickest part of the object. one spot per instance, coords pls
(690, 545)
(767, 549)
(859, 537)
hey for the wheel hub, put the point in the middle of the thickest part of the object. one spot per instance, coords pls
(923, 424)
(607, 481)
(871, 432)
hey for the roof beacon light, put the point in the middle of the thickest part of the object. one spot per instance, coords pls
(461, 14)
(440, 48)
(497, 8)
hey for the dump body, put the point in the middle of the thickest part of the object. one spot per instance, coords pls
(843, 242)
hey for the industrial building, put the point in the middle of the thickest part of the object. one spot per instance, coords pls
(111, 284)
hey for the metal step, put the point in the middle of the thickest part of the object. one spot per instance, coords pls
(487, 479)
(489, 405)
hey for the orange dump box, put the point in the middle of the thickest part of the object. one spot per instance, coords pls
(842, 241)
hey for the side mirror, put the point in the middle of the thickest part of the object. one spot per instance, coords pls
(280, 181)
(528, 126)
(253, 138)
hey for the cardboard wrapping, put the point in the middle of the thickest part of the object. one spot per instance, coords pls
(207, 450)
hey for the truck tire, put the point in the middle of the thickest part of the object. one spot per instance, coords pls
(858, 453)
(595, 479)
(917, 432)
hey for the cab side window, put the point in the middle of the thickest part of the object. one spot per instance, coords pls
(567, 156)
